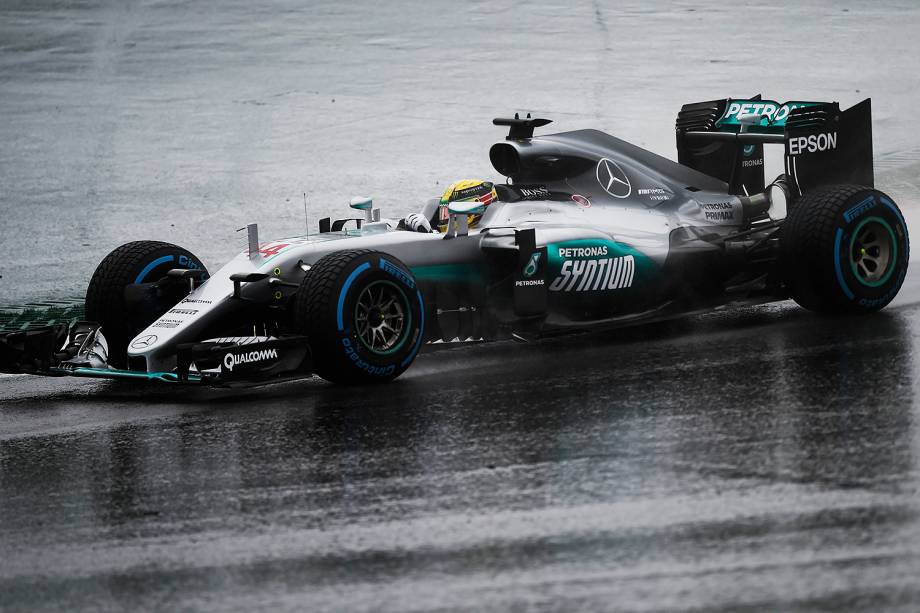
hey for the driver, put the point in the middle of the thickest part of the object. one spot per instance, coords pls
(467, 190)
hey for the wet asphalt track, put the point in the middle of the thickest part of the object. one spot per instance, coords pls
(762, 459)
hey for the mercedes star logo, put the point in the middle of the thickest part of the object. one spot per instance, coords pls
(144, 341)
(613, 179)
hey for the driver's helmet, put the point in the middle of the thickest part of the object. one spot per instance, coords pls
(467, 190)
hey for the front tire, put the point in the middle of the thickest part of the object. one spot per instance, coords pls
(844, 249)
(131, 264)
(364, 315)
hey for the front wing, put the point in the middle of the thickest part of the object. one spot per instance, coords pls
(79, 350)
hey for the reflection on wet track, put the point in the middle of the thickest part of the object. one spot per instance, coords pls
(757, 458)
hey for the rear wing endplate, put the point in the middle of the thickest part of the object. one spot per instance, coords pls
(822, 144)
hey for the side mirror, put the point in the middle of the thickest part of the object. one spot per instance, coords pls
(363, 203)
(458, 223)
(466, 208)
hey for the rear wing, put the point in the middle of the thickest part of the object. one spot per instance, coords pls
(822, 144)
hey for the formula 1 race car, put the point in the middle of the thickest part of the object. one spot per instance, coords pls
(589, 231)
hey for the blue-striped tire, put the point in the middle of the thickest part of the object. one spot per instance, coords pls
(138, 262)
(844, 249)
(331, 310)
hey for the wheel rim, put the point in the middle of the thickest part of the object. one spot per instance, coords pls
(382, 317)
(873, 251)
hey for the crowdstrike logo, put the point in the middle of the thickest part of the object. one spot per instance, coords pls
(235, 359)
(612, 178)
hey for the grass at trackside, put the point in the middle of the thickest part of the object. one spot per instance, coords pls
(37, 314)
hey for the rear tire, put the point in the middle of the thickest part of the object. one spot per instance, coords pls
(363, 314)
(132, 263)
(844, 249)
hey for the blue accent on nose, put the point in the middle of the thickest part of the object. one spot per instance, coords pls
(152, 265)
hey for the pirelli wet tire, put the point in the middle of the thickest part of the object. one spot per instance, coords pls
(844, 249)
(135, 264)
(363, 314)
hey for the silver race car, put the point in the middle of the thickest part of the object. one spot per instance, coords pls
(588, 231)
